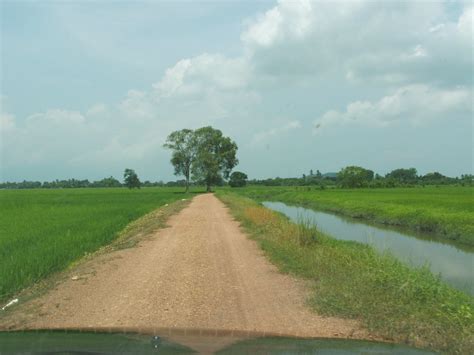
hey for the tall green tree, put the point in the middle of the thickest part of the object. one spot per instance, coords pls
(215, 156)
(354, 176)
(434, 177)
(184, 149)
(238, 179)
(131, 179)
(107, 182)
(403, 175)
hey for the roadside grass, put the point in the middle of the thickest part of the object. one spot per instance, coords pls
(351, 280)
(147, 225)
(45, 231)
(447, 212)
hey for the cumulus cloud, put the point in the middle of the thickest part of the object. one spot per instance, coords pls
(205, 88)
(56, 117)
(264, 136)
(138, 105)
(286, 21)
(389, 42)
(97, 110)
(7, 122)
(208, 89)
(415, 104)
(418, 56)
(464, 24)
(51, 135)
(207, 71)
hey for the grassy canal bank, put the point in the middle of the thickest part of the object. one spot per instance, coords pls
(447, 212)
(352, 280)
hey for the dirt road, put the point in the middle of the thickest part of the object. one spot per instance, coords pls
(201, 272)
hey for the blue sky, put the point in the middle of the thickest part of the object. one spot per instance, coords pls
(90, 88)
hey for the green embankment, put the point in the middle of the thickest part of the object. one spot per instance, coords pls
(447, 212)
(352, 280)
(44, 231)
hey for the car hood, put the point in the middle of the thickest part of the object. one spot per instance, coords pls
(183, 341)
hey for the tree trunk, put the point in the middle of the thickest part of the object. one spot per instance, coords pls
(208, 183)
(187, 185)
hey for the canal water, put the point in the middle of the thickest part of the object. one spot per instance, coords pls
(456, 266)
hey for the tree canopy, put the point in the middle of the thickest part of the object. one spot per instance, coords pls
(215, 158)
(355, 176)
(131, 179)
(204, 153)
(238, 179)
(184, 149)
(403, 175)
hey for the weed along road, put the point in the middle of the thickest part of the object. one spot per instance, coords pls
(200, 272)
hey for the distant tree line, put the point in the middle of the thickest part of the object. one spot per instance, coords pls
(130, 180)
(74, 183)
(348, 177)
(61, 184)
(357, 177)
(313, 178)
(107, 182)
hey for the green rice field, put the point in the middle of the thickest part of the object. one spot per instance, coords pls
(44, 231)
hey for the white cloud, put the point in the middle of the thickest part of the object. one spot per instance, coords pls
(418, 56)
(137, 105)
(264, 136)
(51, 135)
(7, 122)
(465, 22)
(116, 150)
(419, 51)
(436, 28)
(204, 72)
(98, 110)
(286, 21)
(56, 117)
(415, 104)
(389, 42)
